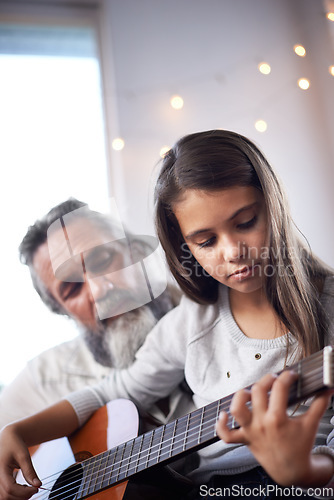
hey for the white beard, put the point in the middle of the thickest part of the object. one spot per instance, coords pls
(115, 345)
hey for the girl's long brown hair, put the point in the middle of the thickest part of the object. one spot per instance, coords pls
(220, 159)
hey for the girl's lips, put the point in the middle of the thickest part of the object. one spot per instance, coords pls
(243, 269)
(243, 272)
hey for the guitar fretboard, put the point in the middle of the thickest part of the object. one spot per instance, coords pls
(190, 432)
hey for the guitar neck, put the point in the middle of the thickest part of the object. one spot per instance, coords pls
(191, 432)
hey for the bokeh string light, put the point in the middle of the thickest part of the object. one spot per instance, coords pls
(304, 83)
(177, 102)
(261, 125)
(118, 144)
(300, 50)
(264, 68)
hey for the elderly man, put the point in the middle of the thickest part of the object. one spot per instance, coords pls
(86, 267)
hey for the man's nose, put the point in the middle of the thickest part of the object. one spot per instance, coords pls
(99, 287)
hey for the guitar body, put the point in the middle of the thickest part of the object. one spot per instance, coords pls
(110, 426)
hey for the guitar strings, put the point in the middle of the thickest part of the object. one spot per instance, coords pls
(130, 459)
(130, 462)
(305, 361)
(87, 493)
(134, 460)
(139, 437)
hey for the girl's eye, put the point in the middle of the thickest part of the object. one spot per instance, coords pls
(250, 223)
(207, 243)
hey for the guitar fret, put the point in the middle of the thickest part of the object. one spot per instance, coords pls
(136, 452)
(103, 470)
(172, 439)
(162, 438)
(165, 451)
(209, 421)
(144, 454)
(178, 444)
(148, 451)
(94, 474)
(126, 473)
(124, 461)
(154, 447)
(88, 479)
(190, 438)
(200, 426)
(88, 469)
(119, 462)
(217, 413)
(111, 460)
(186, 433)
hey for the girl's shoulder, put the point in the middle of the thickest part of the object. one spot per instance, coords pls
(192, 316)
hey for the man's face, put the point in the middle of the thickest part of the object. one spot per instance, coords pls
(99, 283)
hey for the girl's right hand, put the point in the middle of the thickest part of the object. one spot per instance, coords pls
(14, 454)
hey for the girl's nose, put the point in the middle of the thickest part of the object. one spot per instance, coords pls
(231, 249)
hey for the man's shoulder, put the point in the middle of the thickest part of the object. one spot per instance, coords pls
(71, 357)
(68, 347)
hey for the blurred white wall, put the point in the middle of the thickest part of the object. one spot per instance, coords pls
(208, 52)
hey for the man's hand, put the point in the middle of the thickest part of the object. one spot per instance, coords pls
(281, 444)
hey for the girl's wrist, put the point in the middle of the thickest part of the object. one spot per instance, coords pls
(326, 455)
(321, 469)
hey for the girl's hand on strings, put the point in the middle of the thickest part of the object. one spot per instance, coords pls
(14, 454)
(281, 444)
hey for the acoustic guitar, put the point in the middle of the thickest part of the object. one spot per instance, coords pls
(100, 457)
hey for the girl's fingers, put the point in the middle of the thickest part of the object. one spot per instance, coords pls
(260, 393)
(227, 435)
(279, 397)
(258, 396)
(242, 413)
(239, 409)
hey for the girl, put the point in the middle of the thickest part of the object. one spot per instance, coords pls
(256, 300)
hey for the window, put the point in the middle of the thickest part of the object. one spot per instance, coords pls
(52, 147)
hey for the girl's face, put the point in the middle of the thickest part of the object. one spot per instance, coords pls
(226, 231)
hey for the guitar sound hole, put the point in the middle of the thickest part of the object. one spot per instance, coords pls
(67, 484)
